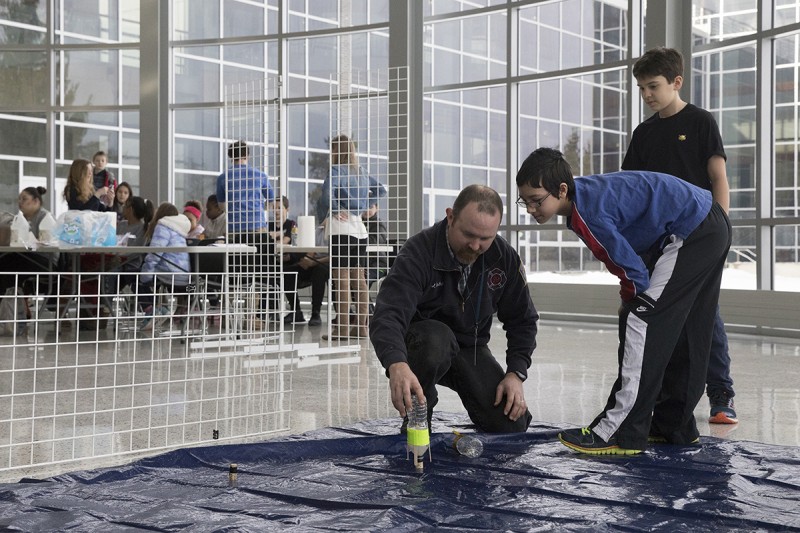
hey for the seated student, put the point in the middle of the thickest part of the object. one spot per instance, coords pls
(80, 193)
(194, 212)
(214, 220)
(167, 229)
(30, 205)
(135, 220)
(135, 226)
(280, 229)
(667, 241)
(280, 225)
(121, 196)
(310, 268)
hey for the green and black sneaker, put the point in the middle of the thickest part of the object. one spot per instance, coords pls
(584, 440)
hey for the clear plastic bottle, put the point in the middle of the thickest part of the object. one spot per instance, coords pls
(418, 417)
(418, 437)
(294, 235)
(468, 445)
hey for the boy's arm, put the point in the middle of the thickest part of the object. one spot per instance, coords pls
(609, 246)
(718, 176)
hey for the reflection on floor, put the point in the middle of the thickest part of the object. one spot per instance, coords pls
(573, 369)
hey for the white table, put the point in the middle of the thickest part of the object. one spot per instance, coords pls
(371, 249)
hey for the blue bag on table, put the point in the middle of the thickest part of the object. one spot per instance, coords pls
(87, 228)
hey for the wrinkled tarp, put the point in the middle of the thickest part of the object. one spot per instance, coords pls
(358, 479)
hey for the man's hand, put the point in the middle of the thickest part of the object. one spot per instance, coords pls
(511, 388)
(403, 383)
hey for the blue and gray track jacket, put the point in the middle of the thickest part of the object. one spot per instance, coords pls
(623, 215)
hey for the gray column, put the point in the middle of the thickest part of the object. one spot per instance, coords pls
(669, 23)
(405, 151)
(155, 145)
(765, 139)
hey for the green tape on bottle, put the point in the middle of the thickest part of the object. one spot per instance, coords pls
(418, 437)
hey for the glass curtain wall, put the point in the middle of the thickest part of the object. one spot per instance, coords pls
(217, 43)
(564, 86)
(745, 71)
(69, 87)
(501, 78)
(567, 84)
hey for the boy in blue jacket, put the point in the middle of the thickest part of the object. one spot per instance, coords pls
(667, 242)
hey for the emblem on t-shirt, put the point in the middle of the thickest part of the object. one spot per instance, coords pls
(681, 137)
(496, 279)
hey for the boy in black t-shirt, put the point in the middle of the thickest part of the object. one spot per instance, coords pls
(683, 140)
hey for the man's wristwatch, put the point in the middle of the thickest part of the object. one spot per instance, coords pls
(522, 376)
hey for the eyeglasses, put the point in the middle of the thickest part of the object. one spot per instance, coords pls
(535, 204)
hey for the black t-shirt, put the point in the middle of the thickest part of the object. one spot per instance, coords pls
(286, 229)
(680, 145)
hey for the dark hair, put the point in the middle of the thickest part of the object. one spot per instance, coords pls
(142, 209)
(149, 209)
(238, 150)
(139, 206)
(99, 152)
(212, 198)
(487, 199)
(194, 203)
(659, 61)
(126, 184)
(35, 192)
(546, 168)
(130, 192)
(284, 202)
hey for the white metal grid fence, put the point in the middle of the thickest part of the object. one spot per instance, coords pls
(90, 371)
(365, 191)
(99, 362)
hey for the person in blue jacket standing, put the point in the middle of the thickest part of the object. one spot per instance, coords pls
(243, 190)
(667, 241)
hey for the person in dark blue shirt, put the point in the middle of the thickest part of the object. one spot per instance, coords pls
(244, 189)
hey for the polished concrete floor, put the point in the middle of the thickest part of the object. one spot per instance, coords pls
(573, 369)
(78, 394)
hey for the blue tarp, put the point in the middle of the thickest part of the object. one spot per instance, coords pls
(358, 479)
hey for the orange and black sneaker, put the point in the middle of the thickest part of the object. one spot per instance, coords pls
(722, 411)
(584, 440)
